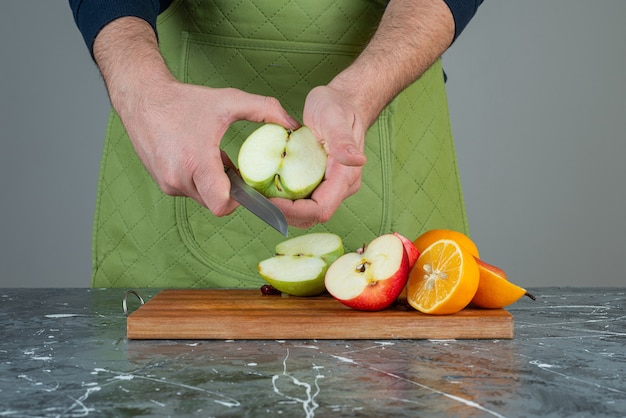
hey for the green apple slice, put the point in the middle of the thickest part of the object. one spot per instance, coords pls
(282, 163)
(323, 245)
(295, 275)
(300, 263)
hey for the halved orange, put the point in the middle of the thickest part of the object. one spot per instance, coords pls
(433, 235)
(494, 290)
(444, 278)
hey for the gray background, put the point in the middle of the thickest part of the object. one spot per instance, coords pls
(538, 104)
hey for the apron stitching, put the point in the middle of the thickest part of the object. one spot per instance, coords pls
(385, 156)
(186, 234)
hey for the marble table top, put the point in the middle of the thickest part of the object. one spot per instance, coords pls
(64, 353)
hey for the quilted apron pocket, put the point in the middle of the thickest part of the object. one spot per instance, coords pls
(233, 245)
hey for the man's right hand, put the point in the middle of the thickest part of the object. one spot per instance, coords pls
(175, 128)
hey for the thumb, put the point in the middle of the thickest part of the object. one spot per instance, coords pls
(213, 186)
(265, 109)
(347, 153)
(343, 147)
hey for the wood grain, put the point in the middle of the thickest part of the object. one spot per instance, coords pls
(246, 314)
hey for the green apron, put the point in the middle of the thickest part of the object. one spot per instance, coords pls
(280, 48)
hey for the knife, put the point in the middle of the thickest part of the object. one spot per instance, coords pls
(255, 202)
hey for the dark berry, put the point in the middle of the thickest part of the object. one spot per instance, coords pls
(269, 290)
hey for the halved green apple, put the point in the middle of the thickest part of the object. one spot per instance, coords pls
(282, 163)
(300, 263)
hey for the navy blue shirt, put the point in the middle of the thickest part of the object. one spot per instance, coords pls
(93, 15)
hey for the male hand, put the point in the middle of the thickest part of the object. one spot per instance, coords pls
(334, 121)
(177, 131)
(175, 128)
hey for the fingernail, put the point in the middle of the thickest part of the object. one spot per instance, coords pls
(292, 122)
(353, 151)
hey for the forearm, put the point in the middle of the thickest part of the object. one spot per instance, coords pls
(127, 54)
(411, 36)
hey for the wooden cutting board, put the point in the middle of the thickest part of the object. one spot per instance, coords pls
(247, 314)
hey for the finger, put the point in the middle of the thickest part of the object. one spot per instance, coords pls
(301, 213)
(339, 183)
(213, 187)
(319, 208)
(343, 146)
(341, 142)
(261, 109)
(344, 149)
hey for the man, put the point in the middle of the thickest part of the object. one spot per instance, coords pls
(189, 85)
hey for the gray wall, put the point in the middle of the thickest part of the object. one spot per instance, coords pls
(538, 103)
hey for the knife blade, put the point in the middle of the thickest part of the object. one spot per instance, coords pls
(255, 202)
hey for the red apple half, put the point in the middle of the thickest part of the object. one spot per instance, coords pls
(371, 279)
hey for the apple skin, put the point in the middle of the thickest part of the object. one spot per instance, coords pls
(411, 250)
(413, 254)
(299, 265)
(324, 245)
(313, 267)
(279, 162)
(371, 279)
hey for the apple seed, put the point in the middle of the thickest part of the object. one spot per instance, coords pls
(362, 267)
(277, 182)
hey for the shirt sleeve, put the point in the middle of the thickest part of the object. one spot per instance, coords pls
(463, 11)
(92, 15)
